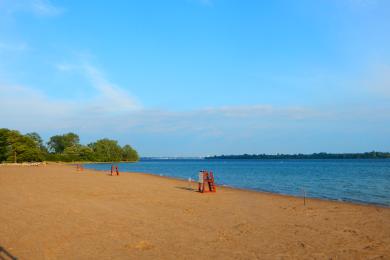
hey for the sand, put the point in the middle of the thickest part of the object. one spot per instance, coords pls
(55, 212)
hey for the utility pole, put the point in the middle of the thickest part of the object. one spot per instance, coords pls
(14, 156)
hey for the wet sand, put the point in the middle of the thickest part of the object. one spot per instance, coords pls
(55, 212)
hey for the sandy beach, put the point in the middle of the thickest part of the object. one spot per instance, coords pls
(55, 212)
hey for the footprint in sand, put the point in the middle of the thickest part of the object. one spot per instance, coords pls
(301, 244)
(141, 245)
(242, 228)
(189, 211)
(373, 245)
(350, 231)
(222, 236)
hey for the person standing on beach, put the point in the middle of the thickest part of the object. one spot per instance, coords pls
(200, 181)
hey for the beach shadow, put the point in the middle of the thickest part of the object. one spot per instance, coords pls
(186, 188)
(5, 255)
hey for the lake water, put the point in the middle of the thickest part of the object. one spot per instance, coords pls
(361, 181)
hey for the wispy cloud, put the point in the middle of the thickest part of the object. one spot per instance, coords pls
(216, 121)
(107, 95)
(213, 129)
(119, 98)
(22, 107)
(45, 8)
(26, 108)
(362, 2)
(36, 7)
(13, 47)
(203, 2)
(377, 80)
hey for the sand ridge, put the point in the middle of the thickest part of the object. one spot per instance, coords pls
(55, 212)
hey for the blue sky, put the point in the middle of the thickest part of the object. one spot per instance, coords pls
(200, 77)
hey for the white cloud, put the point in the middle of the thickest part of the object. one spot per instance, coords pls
(259, 111)
(25, 109)
(203, 2)
(218, 121)
(378, 80)
(45, 8)
(13, 47)
(22, 107)
(107, 95)
(210, 130)
(64, 67)
(36, 7)
(115, 97)
(362, 3)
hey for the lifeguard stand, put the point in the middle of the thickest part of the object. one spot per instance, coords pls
(79, 167)
(206, 182)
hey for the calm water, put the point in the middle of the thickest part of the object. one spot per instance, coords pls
(363, 181)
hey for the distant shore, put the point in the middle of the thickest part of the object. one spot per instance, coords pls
(58, 212)
(315, 156)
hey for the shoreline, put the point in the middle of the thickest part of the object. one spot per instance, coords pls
(362, 203)
(56, 212)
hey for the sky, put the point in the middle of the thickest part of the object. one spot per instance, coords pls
(200, 77)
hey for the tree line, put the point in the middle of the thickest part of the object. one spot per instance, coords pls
(30, 147)
(367, 155)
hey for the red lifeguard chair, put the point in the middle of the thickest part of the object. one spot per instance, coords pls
(114, 170)
(206, 182)
(79, 167)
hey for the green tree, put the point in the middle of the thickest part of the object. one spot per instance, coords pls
(86, 153)
(106, 150)
(30, 147)
(78, 153)
(129, 154)
(15, 147)
(38, 140)
(59, 143)
(3, 144)
(71, 153)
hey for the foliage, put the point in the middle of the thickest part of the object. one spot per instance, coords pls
(59, 143)
(106, 150)
(67, 148)
(129, 154)
(15, 147)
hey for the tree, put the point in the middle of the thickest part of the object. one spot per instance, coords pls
(36, 137)
(129, 154)
(106, 150)
(38, 140)
(59, 143)
(15, 147)
(86, 153)
(71, 154)
(78, 153)
(3, 144)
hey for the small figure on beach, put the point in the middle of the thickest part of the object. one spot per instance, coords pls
(114, 170)
(200, 181)
(190, 183)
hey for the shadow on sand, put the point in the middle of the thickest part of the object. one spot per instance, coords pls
(186, 188)
(5, 255)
